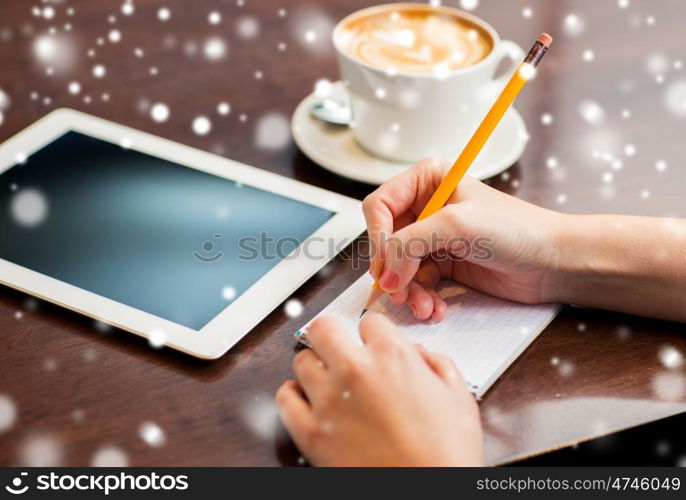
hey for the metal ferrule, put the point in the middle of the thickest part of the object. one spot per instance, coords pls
(536, 54)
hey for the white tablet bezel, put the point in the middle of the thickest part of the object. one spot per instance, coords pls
(241, 315)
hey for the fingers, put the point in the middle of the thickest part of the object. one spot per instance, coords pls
(429, 275)
(311, 374)
(420, 301)
(407, 247)
(377, 329)
(400, 297)
(440, 307)
(331, 342)
(294, 410)
(402, 196)
(442, 366)
(424, 301)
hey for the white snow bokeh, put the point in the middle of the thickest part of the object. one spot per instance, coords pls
(128, 8)
(99, 71)
(670, 357)
(110, 456)
(157, 338)
(74, 88)
(294, 308)
(248, 27)
(78, 415)
(48, 12)
(159, 112)
(663, 448)
(601, 143)
(41, 450)
(261, 416)
(388, 142)
(58, 53)
(566, 368)
(50, 365)
(527, 71)
(669, 386)
(675, 98)
(101, 326)
(323, 87)
(223, 108)
(574, 25)
(410, 98)
(4, 100)
(29, 207)
(214, 17)
(215, 48)
(8, 412)
(312, 29)
(126, 142)
(657, 64)
(202, 125)
(114, 36)
(229, 293)
(152, 434)
(591, 112)
(164, 14)
(272, 132)
(469, 4)
(21, 158)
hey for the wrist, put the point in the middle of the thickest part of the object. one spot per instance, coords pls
(569, 251)
(587, 262)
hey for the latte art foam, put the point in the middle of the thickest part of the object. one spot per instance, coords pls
(414, 41)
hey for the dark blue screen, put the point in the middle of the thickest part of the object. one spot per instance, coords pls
(152, 234)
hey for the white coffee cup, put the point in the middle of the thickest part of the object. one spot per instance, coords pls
(404, 117)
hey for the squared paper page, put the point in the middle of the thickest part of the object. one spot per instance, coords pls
(483, 335)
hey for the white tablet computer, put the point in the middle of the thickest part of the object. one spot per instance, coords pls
(184, 247)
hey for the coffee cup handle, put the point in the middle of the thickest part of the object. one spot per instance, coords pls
(508, 50)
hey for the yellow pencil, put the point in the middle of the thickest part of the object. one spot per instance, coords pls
(524, 73)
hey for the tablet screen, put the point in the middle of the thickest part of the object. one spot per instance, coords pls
(152, 234)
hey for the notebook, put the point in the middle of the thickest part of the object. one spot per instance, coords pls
(483, 335)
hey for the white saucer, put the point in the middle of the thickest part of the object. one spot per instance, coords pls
(334, 148)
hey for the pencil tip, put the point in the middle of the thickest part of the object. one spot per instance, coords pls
(363, 311)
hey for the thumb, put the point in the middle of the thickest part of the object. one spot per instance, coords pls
(409, 245)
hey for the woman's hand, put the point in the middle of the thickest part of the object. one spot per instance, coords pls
(482, 238)
(384, 403)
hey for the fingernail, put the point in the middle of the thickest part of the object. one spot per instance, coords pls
(414, 310)
(389, 280)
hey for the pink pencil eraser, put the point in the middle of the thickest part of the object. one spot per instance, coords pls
(545, 39)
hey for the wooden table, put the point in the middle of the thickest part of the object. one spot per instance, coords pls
(78, 390)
